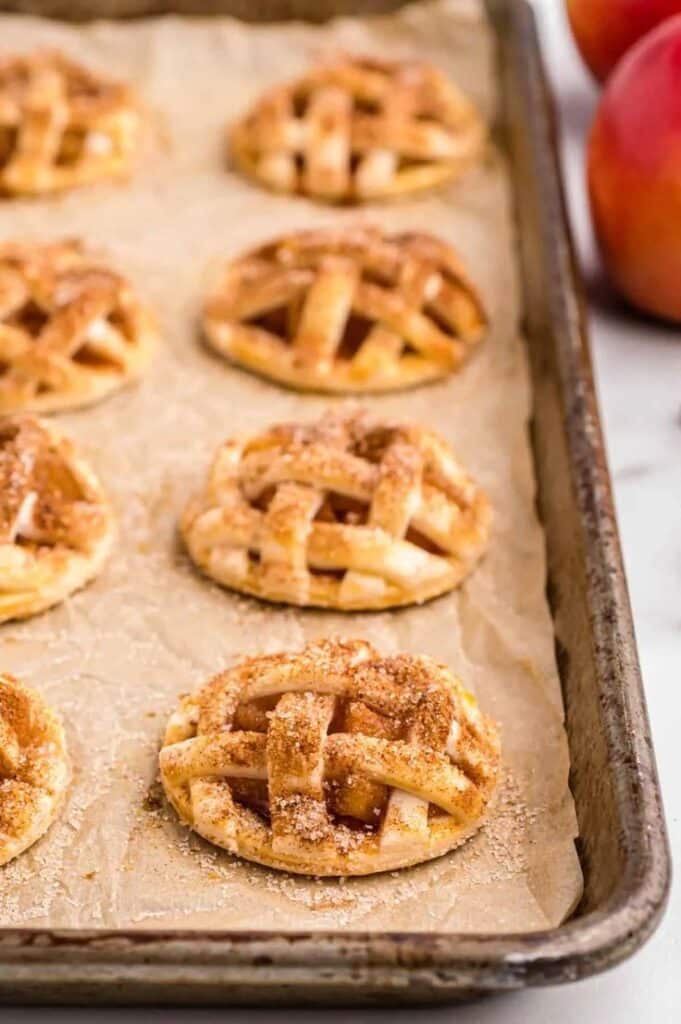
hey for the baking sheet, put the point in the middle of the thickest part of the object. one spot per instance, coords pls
(114, 658)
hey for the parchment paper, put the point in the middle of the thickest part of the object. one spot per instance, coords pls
(114, 658)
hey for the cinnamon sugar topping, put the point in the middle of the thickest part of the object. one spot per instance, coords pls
(56, 526)
(34, 767)
(349, 770)
(71, 329)
(345, 512)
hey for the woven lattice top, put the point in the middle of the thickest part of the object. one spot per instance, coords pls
(333, 760)
(347, 309)
(348, 512)
(61, 125)
(357, 130)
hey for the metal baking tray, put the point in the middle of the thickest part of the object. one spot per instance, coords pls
(622, 845)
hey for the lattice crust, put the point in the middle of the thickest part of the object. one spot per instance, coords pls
(34, 767)
(56, 526)
(357, 130)
(347, 512)
(61, 125)
(332, 761)
(347, 310)
(71, 329)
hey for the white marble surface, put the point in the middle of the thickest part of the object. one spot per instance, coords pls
(638, 369)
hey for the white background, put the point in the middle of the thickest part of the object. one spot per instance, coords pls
(638, 369)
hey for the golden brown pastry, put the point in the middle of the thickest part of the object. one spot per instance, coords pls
(347, 310)
(71, 329)
(349, 512)
(56, 525)
(359, 129)
(61, 125)
(34, 767)
(332, 761)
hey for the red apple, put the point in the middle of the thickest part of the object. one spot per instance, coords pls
(605, 29)
(634, 172)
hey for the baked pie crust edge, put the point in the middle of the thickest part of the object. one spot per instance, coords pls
(289, 760)
(372, 129)
(37, 575)
(280, 515)
(347, 310)
(94, 335)
(35, 769)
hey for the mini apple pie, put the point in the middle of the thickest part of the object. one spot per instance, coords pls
(348, 512)
(71, 329)
(61, 125)
(332, 761)
(56, 526)
(357, 130)
(34, 767)
(347, 310)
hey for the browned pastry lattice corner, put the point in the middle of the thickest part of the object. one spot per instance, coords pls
(348, 512)
(56, 525)
(34, 767)
(347, 310)
(332, 761)
(61, 125)
(71, 329)
(359, 129)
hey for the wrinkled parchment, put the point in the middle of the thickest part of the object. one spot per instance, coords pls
(114, 658)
